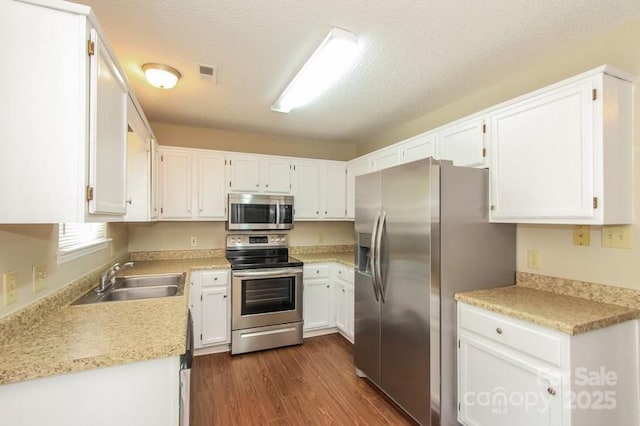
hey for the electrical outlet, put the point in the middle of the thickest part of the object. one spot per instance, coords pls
(10, 280)
(616, 236)
(581, 235)
(39, 277)
(194, 241)
(320, 238)
(533, 259)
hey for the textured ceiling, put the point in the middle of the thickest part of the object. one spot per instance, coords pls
(415, 55)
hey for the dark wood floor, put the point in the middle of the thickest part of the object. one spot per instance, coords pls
(310, 384)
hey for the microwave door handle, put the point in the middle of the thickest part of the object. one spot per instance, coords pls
(277, 212)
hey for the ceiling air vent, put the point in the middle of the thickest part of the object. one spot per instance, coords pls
(208, 73)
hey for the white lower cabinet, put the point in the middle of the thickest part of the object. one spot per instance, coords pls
(210, 302)
(344, 278)
(318, 298)
(143, 393)
(329, 298)
(512, 372)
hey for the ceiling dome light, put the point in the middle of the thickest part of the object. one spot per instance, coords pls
(161, 76)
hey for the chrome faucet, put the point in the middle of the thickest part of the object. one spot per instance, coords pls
(108, 277)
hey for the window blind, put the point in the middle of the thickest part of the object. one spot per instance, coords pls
(74, 236)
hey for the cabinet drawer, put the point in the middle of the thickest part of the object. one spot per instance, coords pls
(215, 278)
(344, 273)
(524, 337)
(316, 271)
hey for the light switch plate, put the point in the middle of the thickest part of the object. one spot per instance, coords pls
(39, 277)
(616, 236)
(533, 259)
(10, 281)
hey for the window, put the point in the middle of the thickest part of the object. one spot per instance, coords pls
(78, 239)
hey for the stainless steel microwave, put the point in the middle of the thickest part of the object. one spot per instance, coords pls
(255, 212)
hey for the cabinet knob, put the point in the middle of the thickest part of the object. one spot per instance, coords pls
(493, 208)
(551, 391)
(225, 296)
(327, 285)
(317, 212)
(129, 201)
(325, 212)
(188, 210)
(257, 185)
(267, 185)
(343, 290)
(499, 330)
(215, 278)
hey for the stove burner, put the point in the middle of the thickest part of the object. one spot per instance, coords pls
(259, 251)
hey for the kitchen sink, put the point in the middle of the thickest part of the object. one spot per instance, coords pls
(136, 287)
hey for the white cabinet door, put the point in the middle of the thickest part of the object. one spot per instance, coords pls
(211, 186)
(463, 143)
(384, 158)
(334, 197)
(276, 177)
(318, 304)
(245, 174)
(419, 147)
(307, 190)
(563, 154)
(176, 184)
(155, 181)
(341, 307)
(497, 388)
(138, 167)
(107, 133)
(357, 167)
(214, 316)
(350, 312)
(544, 156)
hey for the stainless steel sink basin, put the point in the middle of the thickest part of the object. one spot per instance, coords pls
(136, 287)
(149, 280)
(149, 292)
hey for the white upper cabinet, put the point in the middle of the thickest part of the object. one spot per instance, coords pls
(463, 143)
(64, 134)
(357, 167)
(418, 147)
(138, 167)
(155, 181)
(192, 184)
(564, 154)
(211, 186)
(384, 158)
(257, 173)
(319, 190)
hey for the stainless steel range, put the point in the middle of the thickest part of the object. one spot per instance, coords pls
(266, 292)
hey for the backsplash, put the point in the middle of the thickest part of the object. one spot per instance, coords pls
(586, 290)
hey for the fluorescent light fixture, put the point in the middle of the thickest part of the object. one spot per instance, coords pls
(161, 75)
(334, 57)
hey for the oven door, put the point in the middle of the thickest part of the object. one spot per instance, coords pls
(266, 296)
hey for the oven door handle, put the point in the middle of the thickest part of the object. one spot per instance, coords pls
(268, 273)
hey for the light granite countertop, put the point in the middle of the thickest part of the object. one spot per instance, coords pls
(568, 314)
(345, 258)
(83, 337)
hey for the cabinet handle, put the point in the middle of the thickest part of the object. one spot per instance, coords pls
(499, 330)
(551, 391)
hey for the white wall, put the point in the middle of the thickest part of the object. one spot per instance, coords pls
(210, 235)
(22, 246)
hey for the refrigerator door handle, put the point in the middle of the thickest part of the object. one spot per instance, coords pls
(378, 245)
(372, 258)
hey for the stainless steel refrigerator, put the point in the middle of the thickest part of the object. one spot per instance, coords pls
(422, 235)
